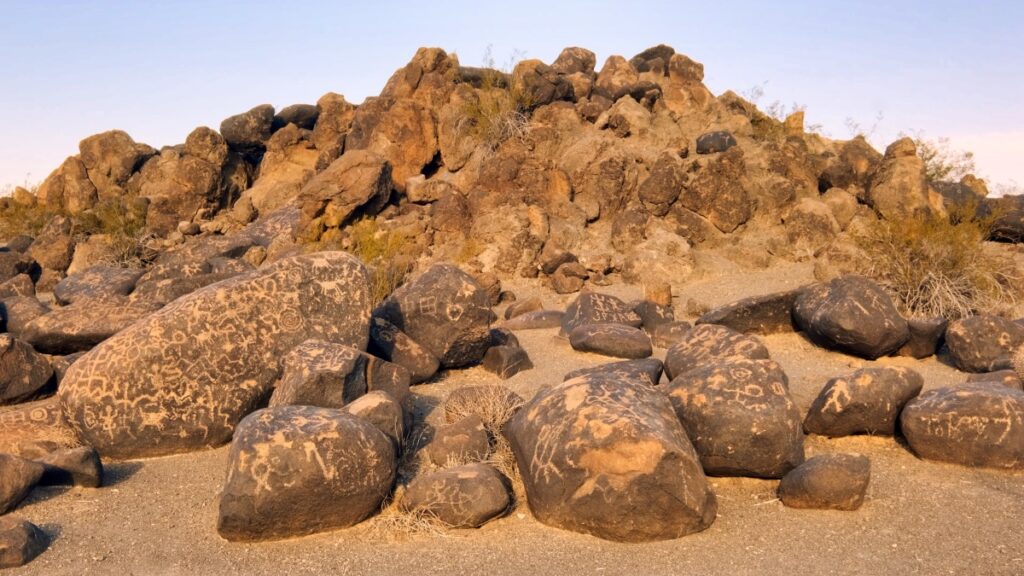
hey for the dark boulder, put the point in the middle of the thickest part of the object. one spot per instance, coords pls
(18, 312)
(465, 496)
(445, 311)
(96, 283)
(390, 343)
(616, 340)
(709, 343)
(926, 336)
(594, 308)
(851, 314)
(462, 441)
(668, 334)
(302, 115)
(385, 414)
(79, 466)
(1007, 378)
(867, 401)
(740, 417)
(536, 320)
(249, 131)
(714, 142)
(608, 457)
(977, 424)
(769, 314)
(318, 373)
(80, 326)
(24, 373)
(17, 478)
(296, 470)
(506, 361)
(827, 482)
(20, 542)
(647, 370)
(983, 343)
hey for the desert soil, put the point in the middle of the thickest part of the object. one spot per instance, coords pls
(159, 516)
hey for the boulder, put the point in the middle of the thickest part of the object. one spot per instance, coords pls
(616, 340)
(318, 373)
(183, 377)
(574, 60)
(80, 326)
(616, 78)
(464, 440)
(972, 424)
(18, 312)
(177, 187)
(54, 246)
(20, 542)
(249, 131)
(68, 187)
(17, 478)
(851, 314)
(208, 145)
(445, 311)
(768, 314)
(867, 401)
(506, 361)
(740, 417)
(24, 373)
(333, 122)
(715, 142)
(520, 307)
(983, 343)
(536, 320)
(390, 343)
(1008, 378)
(608, 457)
(97, 283)
(708, 343)
(668, 334)
(647, 370)
(827, 482)
(926, 336)
(34, 429)
(717, 192)
(662, 186)
(406, 136)
(653, 315)
(79, 466)
(19, 285)
(899, 188)
(304, 116)
(465, 496)
(357, 181)
(295, 470)
(384, 412)
(110, 158)
(539, 84)
(594, 308)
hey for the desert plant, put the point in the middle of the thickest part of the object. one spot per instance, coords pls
(941, 266)
(18, 218)
(498, 112)
(942, 162)
(123, 222)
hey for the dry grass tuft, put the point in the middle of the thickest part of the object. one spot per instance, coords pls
(123, 222)
(18, 218)
(498, 112)
(386, 253)
(938, 266)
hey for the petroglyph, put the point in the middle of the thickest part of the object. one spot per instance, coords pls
(182, 378)
(709, 342)
(865, 402)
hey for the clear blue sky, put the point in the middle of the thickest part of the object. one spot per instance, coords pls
(158, 69)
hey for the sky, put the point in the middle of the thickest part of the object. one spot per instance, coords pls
(69, 69)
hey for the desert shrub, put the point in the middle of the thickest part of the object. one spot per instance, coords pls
(17, 218)
(942, 162)
(941, 266)
(123, 222)
(495, 407)
(498, 112)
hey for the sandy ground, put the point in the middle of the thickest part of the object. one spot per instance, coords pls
(158, 516)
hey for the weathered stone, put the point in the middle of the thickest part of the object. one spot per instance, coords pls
(249, 130)
(810, 227)
(80, 326)
(177, 187)
(296, 470)
(668, 334)
(536, 320)
(207, 144)
(18, 312)
(333, 123)
(19, 285)
(465, 496)
(68, 187)
(396, 346)
(183, 377)
(827, 482)
(54, 246)
(318, 373)
(13, 263)
(359, 180)
(971, 424)
(899, 188)
(851, 314)
(653, 315)
(616, 78)
(384, 412)
(662, 187)
(17, 478)
(709, 342)
(616, 340)
(868, 401)
(304, 116)
(926, 336)
(464, 440)
(523, 306)
(769, 314)
(20, 542)
(574, 60)
(97, 282)
(61, 364)
(717, 193)
(405, 135)
(24, 373)
(539, 84)
(594, 308)
(34, 429)
(506, 361)
(1007, 378)
(647, 370)
(714, 142)
(608, 457)
(445, 311)
(79, 466)
(740, 417)
(983, 343)
(653, 59)
(110, 159)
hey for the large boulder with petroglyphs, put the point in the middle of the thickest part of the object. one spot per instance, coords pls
(606, 456)
(295, 470)
(974, 424)
(182, 378)
(868, 401)
(740, 417)
(444, 310)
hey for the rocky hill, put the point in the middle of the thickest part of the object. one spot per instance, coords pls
(320, 287)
